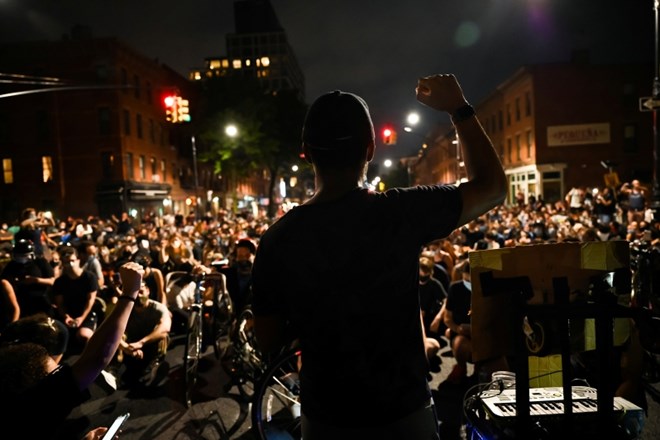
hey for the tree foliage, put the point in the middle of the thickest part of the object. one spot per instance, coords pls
(269, 127)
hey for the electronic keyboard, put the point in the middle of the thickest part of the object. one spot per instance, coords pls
(549, 401)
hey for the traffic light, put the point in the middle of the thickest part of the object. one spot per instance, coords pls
(389, 136)
(183, 112)
(171, 114)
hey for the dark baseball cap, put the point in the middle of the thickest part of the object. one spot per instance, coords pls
(338, 120)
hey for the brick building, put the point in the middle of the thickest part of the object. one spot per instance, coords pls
(557, 126)
(100, 143)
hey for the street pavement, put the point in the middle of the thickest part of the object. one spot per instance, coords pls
(220, 413)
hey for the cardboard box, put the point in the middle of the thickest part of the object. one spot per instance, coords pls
(535, 265)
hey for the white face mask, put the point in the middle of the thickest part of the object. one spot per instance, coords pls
(22, 259)
(468, 285)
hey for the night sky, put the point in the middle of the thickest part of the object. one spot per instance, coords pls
(377, 49)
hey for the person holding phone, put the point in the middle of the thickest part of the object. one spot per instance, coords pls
(38, 394)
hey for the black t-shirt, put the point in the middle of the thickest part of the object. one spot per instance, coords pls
(345, 275)
(75, 292)
(431, 296)
(459, 302)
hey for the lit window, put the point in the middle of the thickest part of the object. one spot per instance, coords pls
(47, 168)
(265, 61)
(142, 167)
(236, 64)
(214, 64)
(247, 63)
(7, 171)
(225, 63)
(163, 169)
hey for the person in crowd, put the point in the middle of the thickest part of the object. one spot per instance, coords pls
(457, 321)
(431, 297)
(37, 394)
(358, 318)
(32, 229)
(89, 260)
(575, 199)
(176, 256)
(74, 295)
(145, 340)
(636, 198)
(239, 274)
(10, 311)
(30, 277)
(40, 329)
(153, 278)
(604, 207)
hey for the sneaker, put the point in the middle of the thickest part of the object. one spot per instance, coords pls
(457, 375)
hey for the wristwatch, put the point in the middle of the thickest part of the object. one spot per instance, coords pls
(462, 113)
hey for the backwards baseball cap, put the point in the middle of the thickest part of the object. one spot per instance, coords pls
(337, 120)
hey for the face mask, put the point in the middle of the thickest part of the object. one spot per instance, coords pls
(244, 265)
(468, 284)
(424, 278)
(22, 259)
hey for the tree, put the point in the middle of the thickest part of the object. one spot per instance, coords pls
(269, 125)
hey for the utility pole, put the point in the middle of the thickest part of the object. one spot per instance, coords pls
(655, 191)
(197, 199)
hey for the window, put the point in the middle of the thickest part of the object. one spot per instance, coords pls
(148, 92)
(154, 166)
(630, 139)
(127, 122)
(136, 85)
(102, 72)
(163, 169)
(107, 163)
(509, 146)
(47, 168)
(508, 115)
(518, 147)
(500, 124)
(124, 80)
(7, 171)
(517, 109)
(152, 131)
(43, 129)
(104, 121)
(138, 125)
(529, 144)
(528, 104)
(130, 166)
(142, 167)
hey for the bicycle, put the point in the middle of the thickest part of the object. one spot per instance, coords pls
(242, 361)
(209, 322)
(276, 402)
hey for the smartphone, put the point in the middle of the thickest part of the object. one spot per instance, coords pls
(116, 426)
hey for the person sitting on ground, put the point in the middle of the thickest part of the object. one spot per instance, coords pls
(37, 394)
(74, 295)
(10, 311)
(40, 329)
(145, 340)
(457, 320)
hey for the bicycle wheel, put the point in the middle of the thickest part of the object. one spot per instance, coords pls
(223, 314)
(276, 403)
(192, 353)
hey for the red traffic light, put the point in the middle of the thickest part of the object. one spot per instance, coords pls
(389, 136)
(169, 100)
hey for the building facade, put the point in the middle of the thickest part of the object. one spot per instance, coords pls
(558, 126)
(95, 141)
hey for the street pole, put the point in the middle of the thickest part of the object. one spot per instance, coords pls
(194, 155)
(655, 193)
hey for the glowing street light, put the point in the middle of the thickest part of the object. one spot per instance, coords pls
(231, 130)
(412, 118)
(387, 163)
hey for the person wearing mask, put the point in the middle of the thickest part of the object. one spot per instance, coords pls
(357, 317)
(30, 277)
(74, 295)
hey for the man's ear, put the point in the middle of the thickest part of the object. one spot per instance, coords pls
(371, 149)
(306, 155)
